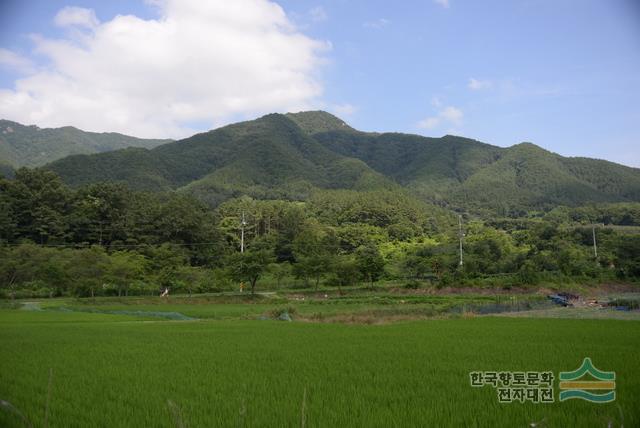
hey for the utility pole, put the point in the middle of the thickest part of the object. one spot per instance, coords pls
(595, 245)
(242, 225)
(460, 235)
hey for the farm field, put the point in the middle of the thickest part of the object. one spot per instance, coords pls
(100, 369)
(352, 306)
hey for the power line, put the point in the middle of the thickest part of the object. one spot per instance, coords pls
(110, 245)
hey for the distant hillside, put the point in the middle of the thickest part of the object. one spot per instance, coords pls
(6, 170)
(468, 174)
(31, 146)
(271, 157)
(287, 156)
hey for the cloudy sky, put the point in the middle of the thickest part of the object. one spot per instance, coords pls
(564, 74)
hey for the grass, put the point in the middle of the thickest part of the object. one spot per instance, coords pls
(358, 306)
(577, 313)
(116, 370)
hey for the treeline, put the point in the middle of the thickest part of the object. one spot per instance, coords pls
(37, 207)
(34, 270)
(619, 214)
(105, 239)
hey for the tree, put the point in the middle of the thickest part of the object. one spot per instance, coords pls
(314, 250)
(280, 271)
(40, 203)
(250, 265)
(12, 269)
(100, 213)
(419, 263)
(313, 266)
(88, 268)
(124, 268)
(370, 262)
(28, 263)
(628, 256)
(8, 220)
(165, 261)
(345, 272)
(189, 278)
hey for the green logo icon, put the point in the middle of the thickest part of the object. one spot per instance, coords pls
(572, 387)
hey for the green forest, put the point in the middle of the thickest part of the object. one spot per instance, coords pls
(32, 146)
(104, 239)
(291, 156)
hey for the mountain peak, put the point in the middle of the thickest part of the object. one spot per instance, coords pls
(527, 147)
(316, 121)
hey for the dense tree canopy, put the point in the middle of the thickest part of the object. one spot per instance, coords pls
(291, 156)
(105, 239)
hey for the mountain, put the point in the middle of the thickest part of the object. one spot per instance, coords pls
(6, 170)
(31, 146)
(271, 157)
(288, 156)
(313, 122)
(468, 174)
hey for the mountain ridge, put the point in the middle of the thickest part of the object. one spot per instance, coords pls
(32, 146)
(288, 155)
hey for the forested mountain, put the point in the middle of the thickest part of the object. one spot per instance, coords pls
(6, 170)
(268, 158)
(313, 122)
(322, 203)
(468, 174)
(287, 156)
(31, 146)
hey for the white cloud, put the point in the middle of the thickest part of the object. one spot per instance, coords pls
(199, 62)
(344, 109)
(451, 116)
(429, 122)
(476, 85)
(15, 62)
(318, 14)
(435, 101)
(443, 3)
(79, 16)
(377, 24)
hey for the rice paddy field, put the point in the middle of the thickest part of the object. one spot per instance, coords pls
(115, 364)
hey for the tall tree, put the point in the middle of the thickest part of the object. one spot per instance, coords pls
(370, 263)
(251, 265)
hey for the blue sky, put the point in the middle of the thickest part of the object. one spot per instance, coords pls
(563, 74)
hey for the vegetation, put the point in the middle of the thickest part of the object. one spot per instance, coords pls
(91, 369)
(290, 156)
(469, 175)
(31, 146)
(268, 158)
(313, 122)
(105, 239)
(6, 170)
(299, 216)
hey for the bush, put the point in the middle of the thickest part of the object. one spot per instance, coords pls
(412, 285)
(276, 313)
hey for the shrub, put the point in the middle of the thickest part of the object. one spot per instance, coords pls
(277, 312)
(412, 285)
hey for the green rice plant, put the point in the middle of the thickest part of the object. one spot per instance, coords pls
(121, 371)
